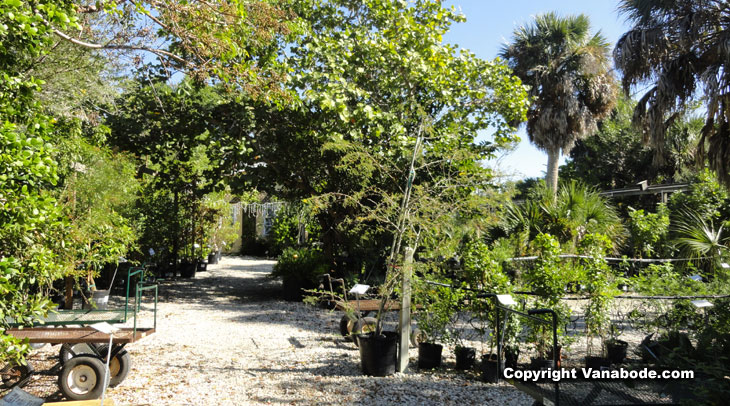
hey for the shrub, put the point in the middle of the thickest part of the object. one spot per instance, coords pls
(648, 231)
(301, 264)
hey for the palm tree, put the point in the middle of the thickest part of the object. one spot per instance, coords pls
(571, 85)
(577, 210)
(681, 49)
(698, 238)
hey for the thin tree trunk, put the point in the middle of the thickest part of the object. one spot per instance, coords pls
(551, 179)
(176, 237)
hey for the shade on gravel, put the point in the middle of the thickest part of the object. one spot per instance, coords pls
(226, 338)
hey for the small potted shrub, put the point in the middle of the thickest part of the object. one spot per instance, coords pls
(615, 348)
(511, 347)
(548, 279)
(600, 288)
(453, 334)
(482, 270)
(299, 269)
(432, 323)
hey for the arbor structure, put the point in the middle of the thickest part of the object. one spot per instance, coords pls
(680, 49)
(568, 71)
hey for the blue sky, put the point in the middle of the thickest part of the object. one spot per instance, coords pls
(489, 24)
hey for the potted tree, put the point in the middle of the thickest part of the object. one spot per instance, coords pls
(600, 288)
(299, 269)
(511, 347)
(465, 355)
(548, 280)
(440, 302)
(615, 348)
(482, 272)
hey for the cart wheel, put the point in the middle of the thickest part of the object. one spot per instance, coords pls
(417, 337)
(16, 375)
(363, 326)
(346, 325)
(81, 378)
(119, 366)
(69, 351)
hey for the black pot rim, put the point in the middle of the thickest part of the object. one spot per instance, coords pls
(384, 336)
(617, 343)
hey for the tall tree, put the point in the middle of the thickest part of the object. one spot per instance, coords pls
(568, 71)
(625, 159)
(30, 221)
(376, 83)
(680, 48)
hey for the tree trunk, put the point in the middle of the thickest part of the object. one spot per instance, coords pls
(551, 178)
(176, 237)
(69, 299)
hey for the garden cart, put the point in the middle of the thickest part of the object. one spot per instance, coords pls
(357, 319)
(80, 368)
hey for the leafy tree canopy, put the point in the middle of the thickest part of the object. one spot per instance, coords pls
(377, 83)
(567, 69)
(625, 160)
(679, 49)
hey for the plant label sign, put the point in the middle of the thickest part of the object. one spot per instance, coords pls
(701, 303)
(359, 289)
(506, 300)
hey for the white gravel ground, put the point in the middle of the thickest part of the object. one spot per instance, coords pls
(226, 338)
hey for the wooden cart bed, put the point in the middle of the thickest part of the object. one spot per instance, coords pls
(368, 305)
(78, 335)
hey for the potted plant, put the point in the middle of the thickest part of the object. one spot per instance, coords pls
(615, 348)
(548, 279)
(600, 288)
(511, 347)
(465, 355)
(379, 348)
(299, 269)
(187, 268)
(440, 302)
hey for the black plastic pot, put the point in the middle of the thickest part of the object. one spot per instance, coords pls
(597, 362)
(429, 355)
(489, 368)
(540, 363)
(465, 358)
(510, 357)
(202, 265)
(378, 353)
(187, 269)
(212, 258)
(616, 350)
(292, 289)
(560, 354)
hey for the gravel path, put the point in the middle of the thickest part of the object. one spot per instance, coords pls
(226, 338)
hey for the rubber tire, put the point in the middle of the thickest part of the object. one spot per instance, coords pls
(78, 349)
(119, 366)
(346, 325)
(94, 365)
(417, 337)
(365, 324)
(25, 372)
